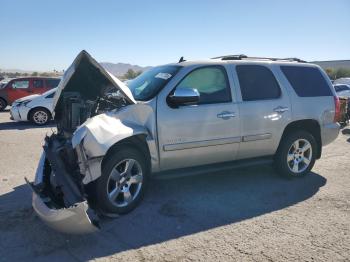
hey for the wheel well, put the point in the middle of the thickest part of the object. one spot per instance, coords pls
(38, 107)
(137, 141)
(1, 98)
(309, 125)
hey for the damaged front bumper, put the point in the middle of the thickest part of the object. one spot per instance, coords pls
(77, 218)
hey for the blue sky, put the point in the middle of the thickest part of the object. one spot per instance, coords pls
(46, 35)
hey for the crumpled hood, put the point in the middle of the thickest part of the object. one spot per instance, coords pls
(89, 78)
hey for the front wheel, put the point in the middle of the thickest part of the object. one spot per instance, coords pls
(40, 116)
(3, 104)
(296, 154)
(122, 183)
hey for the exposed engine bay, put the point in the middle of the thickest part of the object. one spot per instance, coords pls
(75, 110)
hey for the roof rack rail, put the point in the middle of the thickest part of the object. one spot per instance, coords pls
(231, 57)
(241, 57)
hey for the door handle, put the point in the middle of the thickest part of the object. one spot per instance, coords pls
(226, 115)
(281, 109)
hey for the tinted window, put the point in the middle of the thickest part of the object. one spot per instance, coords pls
(211, 83)
(51, 83)
(38, 83)
(20, 84)
(307, 81)
(339, 88)
(257, 83)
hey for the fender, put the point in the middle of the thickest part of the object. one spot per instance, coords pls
(97, 135)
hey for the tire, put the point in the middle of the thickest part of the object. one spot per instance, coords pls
(3, 104)
(296, 154)
(113, 199)
(40, 116)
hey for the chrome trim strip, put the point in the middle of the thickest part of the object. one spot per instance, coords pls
(256, 137)
(203, 143)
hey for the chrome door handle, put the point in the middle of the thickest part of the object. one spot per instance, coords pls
(281, 109)
(226, 115)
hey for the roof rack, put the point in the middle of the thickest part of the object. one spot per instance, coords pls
(244, 57)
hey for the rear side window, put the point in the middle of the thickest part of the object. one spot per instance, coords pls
(307, 81)
(38, 83)
(257, 83)
(51, 83)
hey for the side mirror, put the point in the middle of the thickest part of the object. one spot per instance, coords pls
(184, 96)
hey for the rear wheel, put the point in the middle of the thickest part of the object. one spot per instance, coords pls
(296, 154)
(3, 104)
(123, 181)
(40, 116)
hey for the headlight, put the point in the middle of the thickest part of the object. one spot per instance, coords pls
(22, 103)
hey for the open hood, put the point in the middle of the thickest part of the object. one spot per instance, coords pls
(87, 77)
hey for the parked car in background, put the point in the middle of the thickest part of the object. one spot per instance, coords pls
(4, 82)
(34, 108)
(343, 80)
(21, 87)
(342, 90)
(181, 118)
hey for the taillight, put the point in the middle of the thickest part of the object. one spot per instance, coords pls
(337, 115)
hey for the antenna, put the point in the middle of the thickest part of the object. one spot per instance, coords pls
(182, 59)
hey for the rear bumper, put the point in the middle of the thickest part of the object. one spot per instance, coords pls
(76, 219)
(329, 133)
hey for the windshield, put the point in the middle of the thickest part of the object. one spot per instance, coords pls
(148, 84)
(340, 88)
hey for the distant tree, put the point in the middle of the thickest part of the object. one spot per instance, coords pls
(35, 74)
(131, 74)
(338, 73)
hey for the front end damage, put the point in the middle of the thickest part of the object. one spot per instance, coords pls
(88, 108)
(57, 199)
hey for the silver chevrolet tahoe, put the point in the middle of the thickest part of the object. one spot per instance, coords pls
(176, 119)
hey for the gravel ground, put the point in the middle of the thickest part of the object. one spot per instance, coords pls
(241, 215)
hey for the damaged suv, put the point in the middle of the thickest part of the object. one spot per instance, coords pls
(180, 118)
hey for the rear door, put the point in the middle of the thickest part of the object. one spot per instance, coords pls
(200, 134)
(19, 88)
(265, 110)
(38, 86)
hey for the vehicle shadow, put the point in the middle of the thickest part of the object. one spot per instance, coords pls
(23, 125)
(172, 208)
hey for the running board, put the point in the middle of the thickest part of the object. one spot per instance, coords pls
(217, 167)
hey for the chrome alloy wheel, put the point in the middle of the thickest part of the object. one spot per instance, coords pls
(40, 117)
(124, 182)
(299, 156)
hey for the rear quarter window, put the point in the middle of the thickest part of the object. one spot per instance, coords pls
(307, 81)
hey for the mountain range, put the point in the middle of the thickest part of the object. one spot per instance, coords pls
(120, 69)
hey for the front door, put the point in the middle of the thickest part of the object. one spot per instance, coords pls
(18, 89)
(199, 134)
(265, 110)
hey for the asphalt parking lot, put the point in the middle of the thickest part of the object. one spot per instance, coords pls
(243, 215)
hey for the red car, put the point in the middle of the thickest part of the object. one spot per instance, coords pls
(20, 87)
